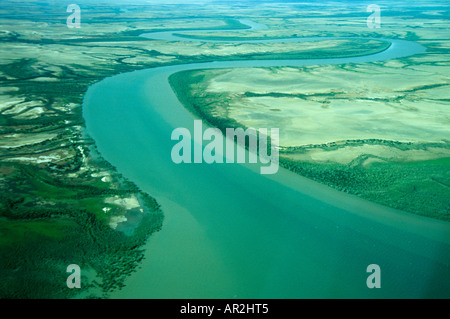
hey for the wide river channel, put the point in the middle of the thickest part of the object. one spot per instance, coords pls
(230, 232)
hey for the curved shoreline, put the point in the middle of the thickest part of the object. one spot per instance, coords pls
(314, 231)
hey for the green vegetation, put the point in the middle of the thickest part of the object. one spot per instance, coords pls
(58, 196)
(344, 49)
(421, 187)
(183, 82)
(49, 222)
(54, 208)
(380, 170)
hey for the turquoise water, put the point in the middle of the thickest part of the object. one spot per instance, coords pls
(230, 232)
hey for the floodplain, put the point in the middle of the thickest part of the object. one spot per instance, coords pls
(377, 130)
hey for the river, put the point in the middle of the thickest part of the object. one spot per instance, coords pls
(230, 232)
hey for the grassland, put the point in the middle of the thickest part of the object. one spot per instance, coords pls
(377, 130)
